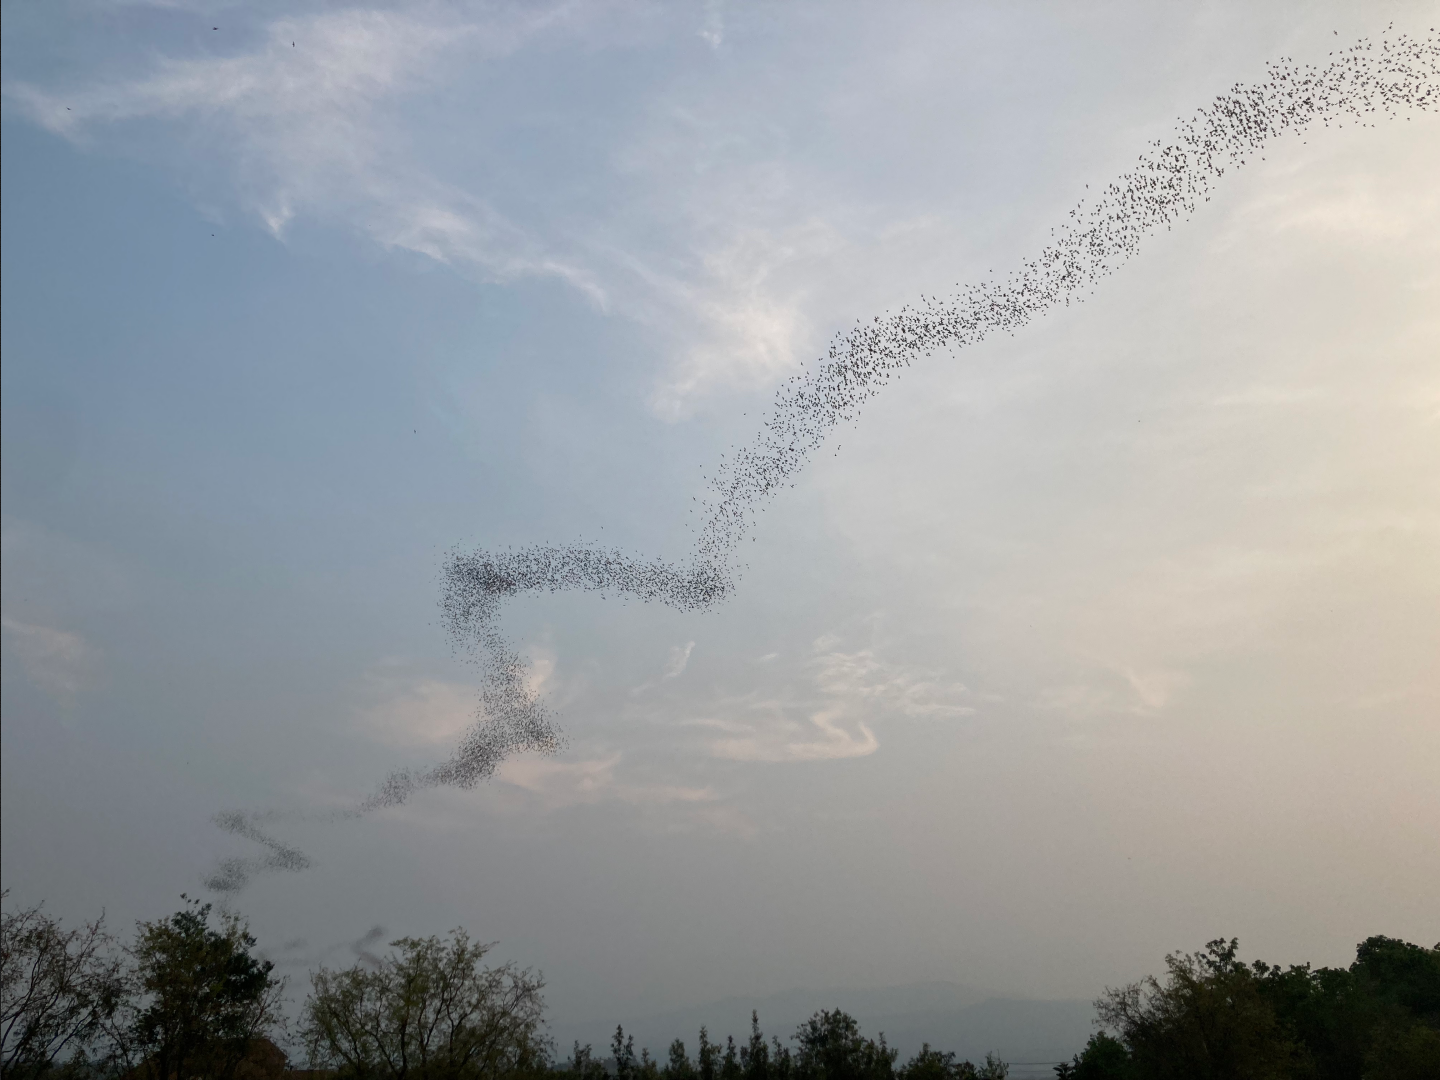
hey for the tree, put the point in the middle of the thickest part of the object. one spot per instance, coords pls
(830, 1047)
(1104, 1058)
(730, 1068)
(1404, 982)
(203, 997)
(782, 1061)
(433, 1011)
(1403, 1052)
(678, 1066)
(708, 1058)
(755, 1054)
(582, 1064)
(928, 1064)
(1210, 1020)
(59, 990)
(623, 1051)
(1373, 1019)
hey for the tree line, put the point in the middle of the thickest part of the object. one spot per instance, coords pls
(189, 997)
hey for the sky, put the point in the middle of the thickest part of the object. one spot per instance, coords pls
(1083, 645)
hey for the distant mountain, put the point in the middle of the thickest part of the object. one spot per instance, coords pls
(947, 1015)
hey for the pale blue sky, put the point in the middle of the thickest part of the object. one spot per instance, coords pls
(1088, 644)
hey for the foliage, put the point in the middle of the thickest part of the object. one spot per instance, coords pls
(1104, 1058)
(1214, 1016)
(678, 1066)
(202, 998)
(59, 990)
(1208, 1021)
(1379, 1018)
(584, 1066)
(931, 1064)
(433, 1011)
(190, 999)
(830, 1047)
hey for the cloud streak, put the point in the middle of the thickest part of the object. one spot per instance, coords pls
(56, 660)
(307, 123)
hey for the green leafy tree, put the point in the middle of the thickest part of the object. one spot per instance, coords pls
(432, 1011)
(203, 997)
(583, 1066)
(623, 1051)
(1104, 1058)
(755, 1054)
(1209, 1020)
(930, 1064)
(730, 1068)
(1403, 1052)
(830, 1047)
(1367, 1020)
(782, 1061)
(1398, 973)
(60, 992)
(678, 1065)
(707, 1060)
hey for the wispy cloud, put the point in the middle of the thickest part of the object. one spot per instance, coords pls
(402, 710)
(867, 680)
(749, 301)
(307, 123)
(675, 664)
(558, 783)
(58, 661)
(679, 659)
(712, 30)
(402, 706)
(833, 717)
(821, 736)
(348, 117)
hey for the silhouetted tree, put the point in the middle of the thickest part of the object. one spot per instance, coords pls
(755, 1054)
(59, 991)
(928, 1064)
(782, 1061)
(830, 1047)
(1216, 1017)
(431, 1011)
(707, 1061)
(1209, 1020)
(1370, 1020)
(678, 1066)
(1104, 1058)
(203, 998)
(730, 1064)
(583, 1066)
(623, 1051)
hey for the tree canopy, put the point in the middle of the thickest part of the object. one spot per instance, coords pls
(61, 988)
(430, 1011)
(1215, 1016)
(191, 999)
(202, 996)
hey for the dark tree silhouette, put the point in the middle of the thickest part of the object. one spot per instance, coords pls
(202, 997)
